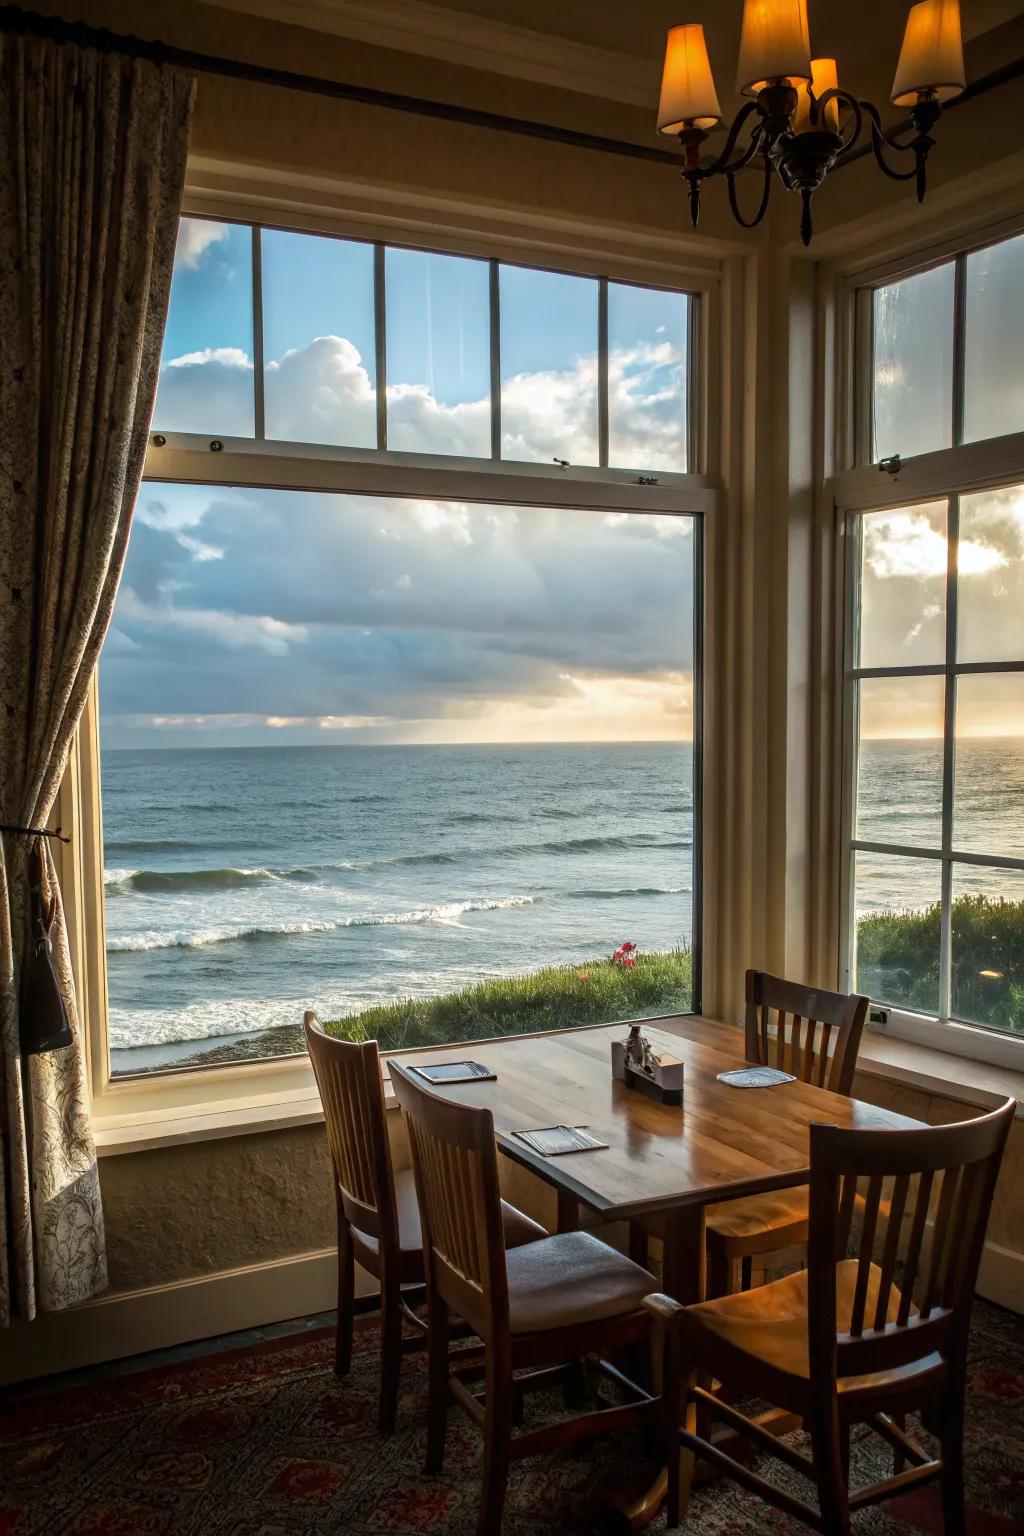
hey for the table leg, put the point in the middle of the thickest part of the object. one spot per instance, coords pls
(683, 1278)
(568, 1217)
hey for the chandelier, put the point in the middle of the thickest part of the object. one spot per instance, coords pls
(798, 123)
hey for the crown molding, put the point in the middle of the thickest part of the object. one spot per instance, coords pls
(458, 37)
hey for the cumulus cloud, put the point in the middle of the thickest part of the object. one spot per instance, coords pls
(195, 238)
(397, 620)
(323, 393)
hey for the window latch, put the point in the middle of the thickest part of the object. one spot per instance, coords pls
(878, 1016)
(891, 465)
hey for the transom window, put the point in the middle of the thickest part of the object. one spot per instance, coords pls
(934, 887)
(296, 338)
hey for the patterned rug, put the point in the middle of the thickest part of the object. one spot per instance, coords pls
(265, 1441)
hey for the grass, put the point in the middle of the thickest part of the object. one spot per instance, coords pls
(898, 960)
(557, 997)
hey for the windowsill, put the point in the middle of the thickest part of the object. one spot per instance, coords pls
(897, 1061)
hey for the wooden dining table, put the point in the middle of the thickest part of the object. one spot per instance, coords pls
(722, 1142)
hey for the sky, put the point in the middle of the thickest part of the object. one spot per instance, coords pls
(249, 617)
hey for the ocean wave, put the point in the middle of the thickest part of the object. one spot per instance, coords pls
(155, 845)
(445, 912)
(637, 890)
(155, 881)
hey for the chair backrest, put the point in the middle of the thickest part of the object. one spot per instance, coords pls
(455, 1164)
(812, 1033)
(910, 1209)
(352, 1093)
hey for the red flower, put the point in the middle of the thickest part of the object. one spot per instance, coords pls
(629, 960)
(619, 955)
(627, 949)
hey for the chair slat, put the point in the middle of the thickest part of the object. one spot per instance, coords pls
(942, 1237)
(913, 1256)
(893, 1229)
(864, 1258)
(844, 1223)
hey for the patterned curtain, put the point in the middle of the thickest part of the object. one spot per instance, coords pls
(91, 177)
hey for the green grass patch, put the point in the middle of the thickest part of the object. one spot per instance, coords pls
(558, 997)
(898, 960)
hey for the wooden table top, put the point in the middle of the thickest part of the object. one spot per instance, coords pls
(722, 1142)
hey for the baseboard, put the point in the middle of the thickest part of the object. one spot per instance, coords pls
(1001, 1277)
(134, 1322)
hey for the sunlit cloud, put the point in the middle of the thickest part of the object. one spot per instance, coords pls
(908, 544)
(195, 238)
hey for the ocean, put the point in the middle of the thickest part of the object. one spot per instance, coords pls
(244, 885)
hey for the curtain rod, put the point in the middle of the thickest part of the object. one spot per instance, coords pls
(31, 23)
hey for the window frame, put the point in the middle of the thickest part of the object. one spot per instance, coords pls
(257, 463)
(863, 487)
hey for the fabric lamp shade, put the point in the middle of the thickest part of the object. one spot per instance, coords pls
(688, 92)
(932, 56)
(823, 78)
(774, 44)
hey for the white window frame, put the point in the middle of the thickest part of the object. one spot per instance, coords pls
(862, 487)
(268, 1084)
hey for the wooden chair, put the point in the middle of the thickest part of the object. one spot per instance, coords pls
(816, 1036)
(541, 1308)
(378, 1217)
(839, 1343)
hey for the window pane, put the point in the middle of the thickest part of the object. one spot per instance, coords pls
(988, 805)
(461, 758)
(548, 366)
(903, 587)
(897, 930)
(647, 360)
(988, 946)
(318, 340)
(912, 387)
(899, 777)
(439, 354)
(994, 342)
(990, 604)
(206, 369)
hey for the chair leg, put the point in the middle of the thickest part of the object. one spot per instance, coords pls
(899, 1460)
(747, 1272)
(390, 1354)
(638, 1246)
(829, 1442)
(951, 1481)
(498, 1413)
(346, 1297)
(437, 1381)
(720, 1272)
(681, 1460)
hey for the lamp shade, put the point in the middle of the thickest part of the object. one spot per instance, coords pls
(688, 92)
(774, 44)
(823, 78)
(932, 56)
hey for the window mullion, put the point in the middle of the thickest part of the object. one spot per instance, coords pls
(380, 319)
(259, 373)
(602, 373)
(959, 337)
(495, 306)
(949, 761)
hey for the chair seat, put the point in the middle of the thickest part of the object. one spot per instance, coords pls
(570, 1279)
(769, 1324)
(752, 1217)
(519, 1228)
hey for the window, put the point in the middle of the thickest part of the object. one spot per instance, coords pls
(934, 893)
(423, 762)
(299, 338)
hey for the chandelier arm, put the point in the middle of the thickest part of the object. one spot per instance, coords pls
(765, 194)
(880, 142)
(721, 165)
(854, 123)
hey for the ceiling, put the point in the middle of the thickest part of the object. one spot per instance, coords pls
(605, 48)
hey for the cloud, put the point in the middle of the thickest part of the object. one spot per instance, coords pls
(195, 238)
(323, 393)
(395, 620)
